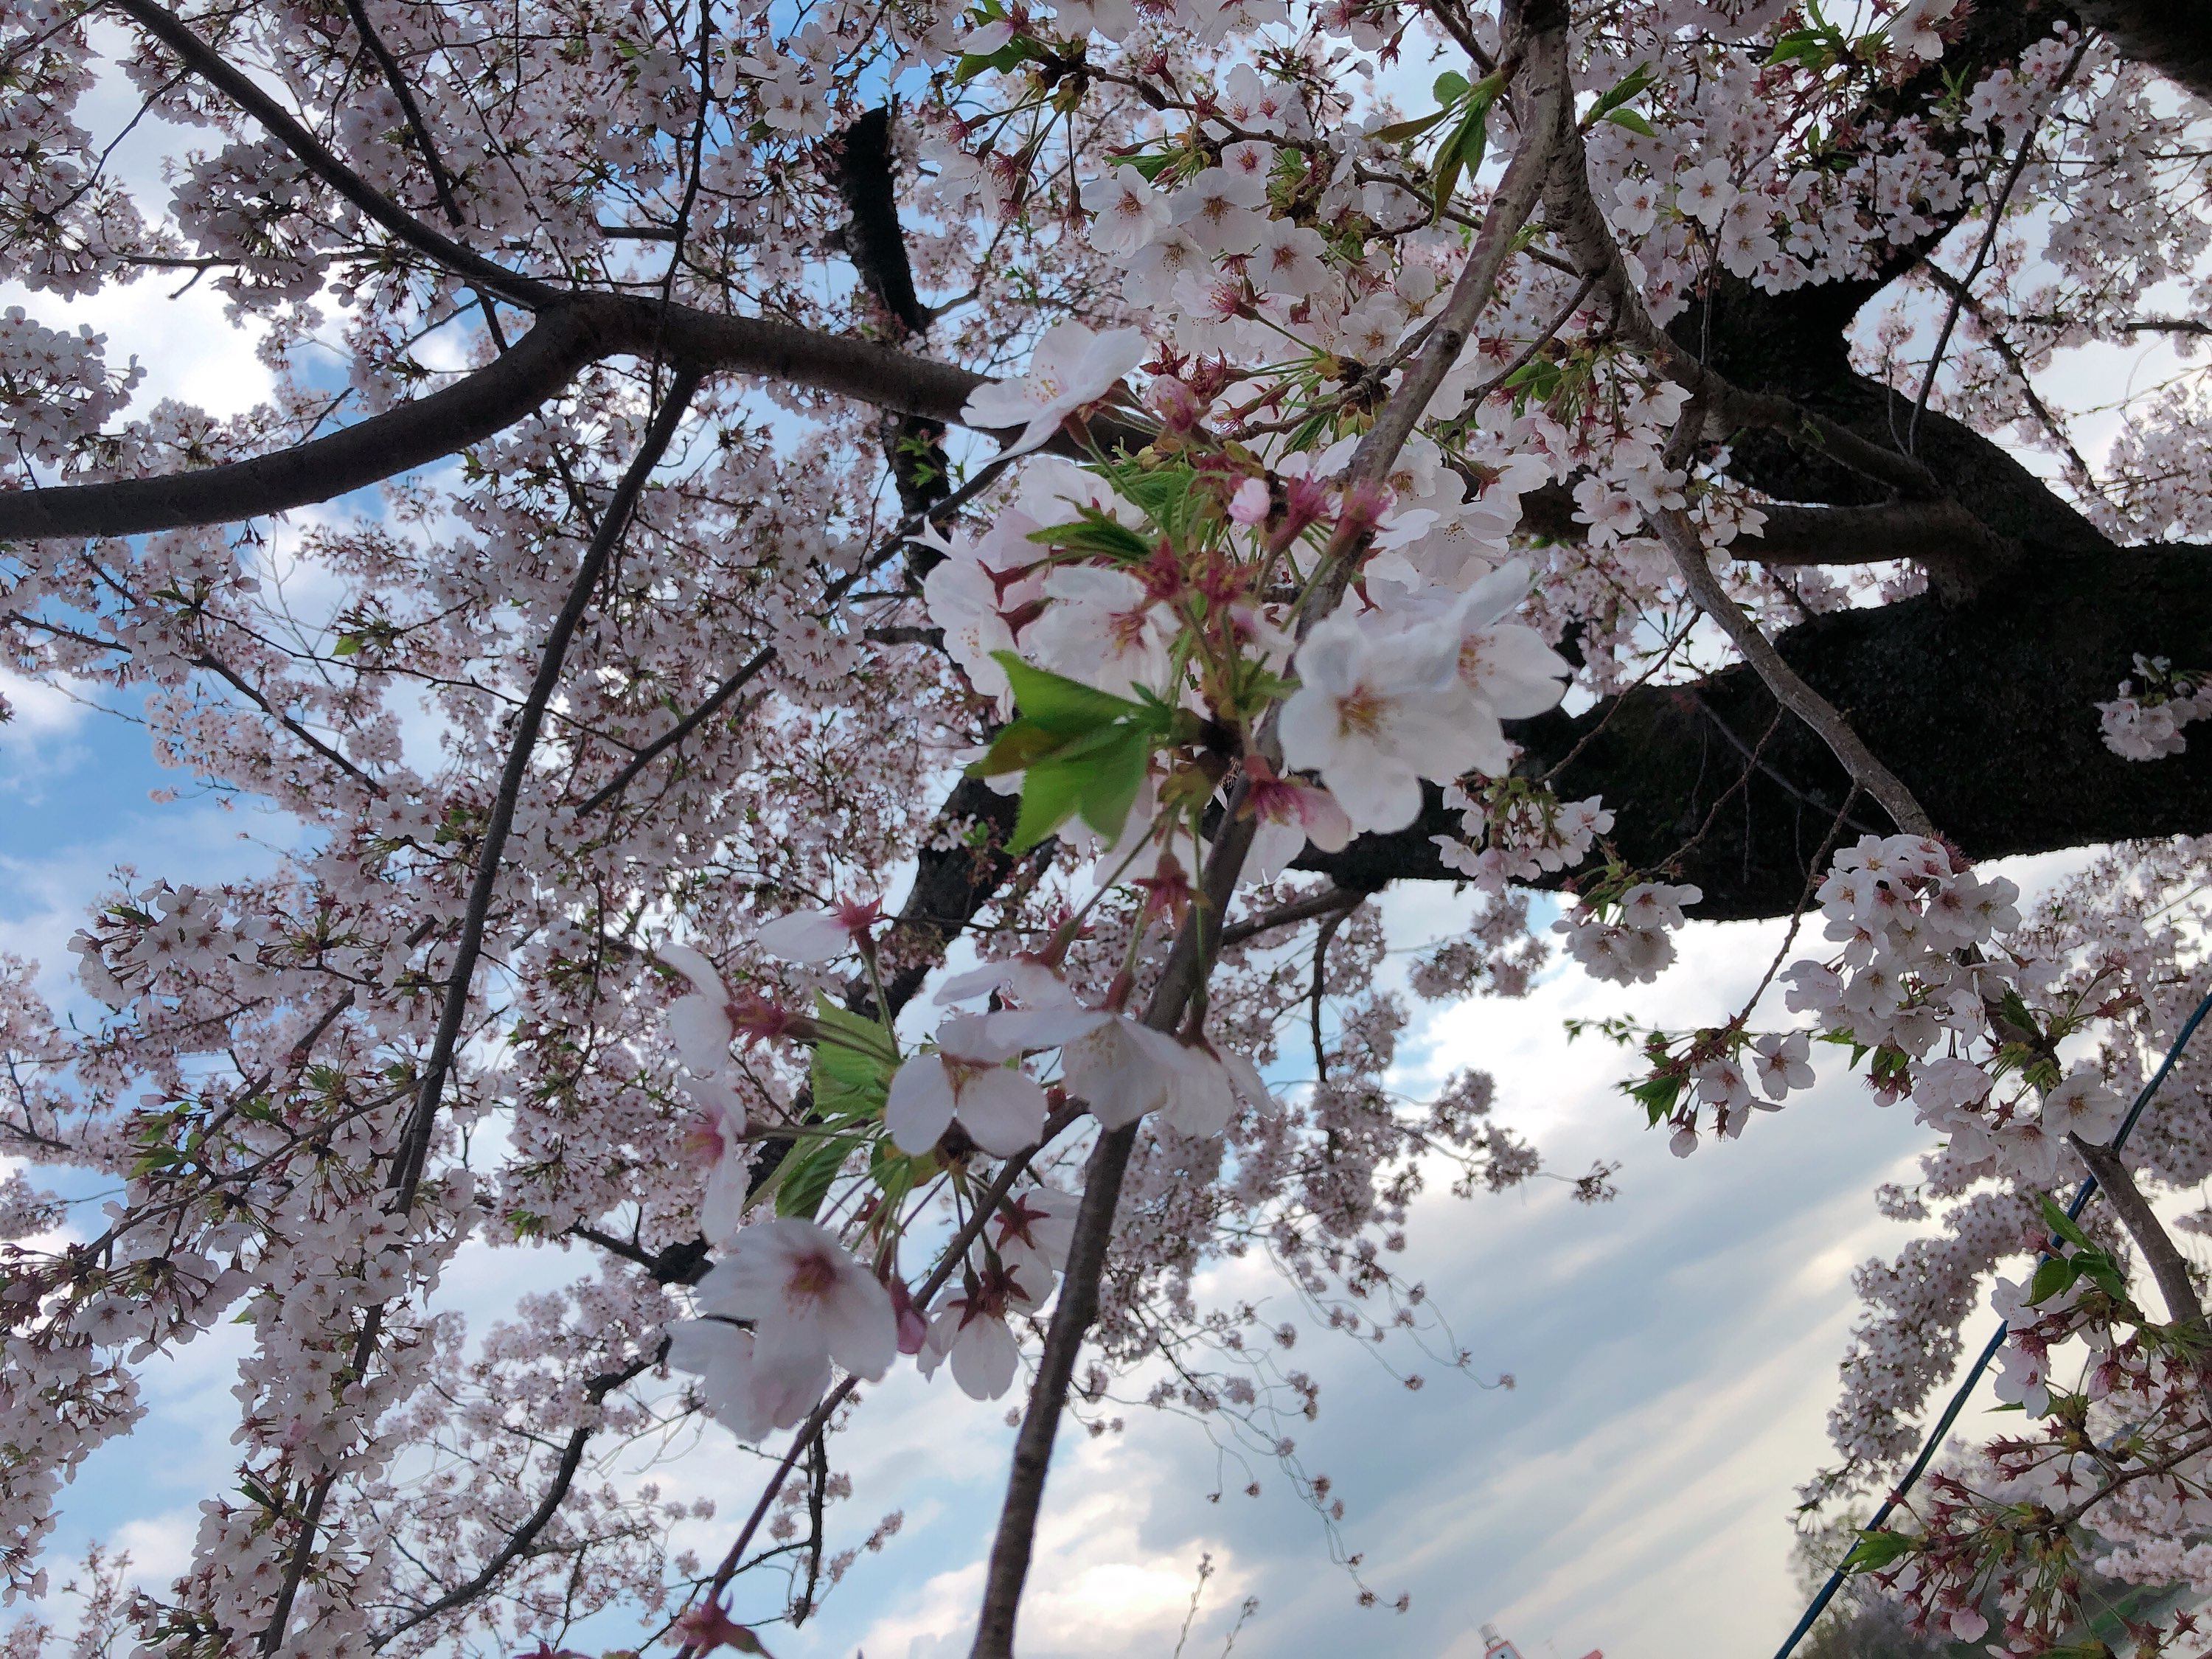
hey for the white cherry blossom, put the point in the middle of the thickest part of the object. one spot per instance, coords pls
(1377, 712)
(1071, 368)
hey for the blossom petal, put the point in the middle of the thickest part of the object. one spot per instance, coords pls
(985, 1357)
(700, 1029)
(1002, 1110)
(918, 1109)
(803, 936)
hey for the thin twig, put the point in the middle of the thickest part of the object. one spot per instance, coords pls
(955, 1252)
(418, 1131)
(1304, 909)
(1321, 937)
(1982, 253)
(761, 659)
(571, 1459)
(1682, 541)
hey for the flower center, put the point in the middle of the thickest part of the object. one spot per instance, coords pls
(811, 1278)
(1359, 713)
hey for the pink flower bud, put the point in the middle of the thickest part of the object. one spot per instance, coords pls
(1249, 505)
(913, 1328)
(706, 1626)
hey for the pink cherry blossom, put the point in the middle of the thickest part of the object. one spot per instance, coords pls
(808, 1300)
(1071, 368)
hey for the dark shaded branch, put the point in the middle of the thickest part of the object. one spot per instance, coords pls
(396, 78)
(1782, 682)
(2172, 36)
(418, 1131)
(474, 408)
(569, 335)
(1932, 532)
(873, 240)
(1330, 900)
(417, 1136)
(1983, 708)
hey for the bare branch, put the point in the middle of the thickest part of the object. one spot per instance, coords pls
(2168, 1265)
(1681, 538)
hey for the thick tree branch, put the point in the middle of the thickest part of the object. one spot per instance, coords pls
(1938, 534)
(569, 335)
(476, 407)
(2168, 1265)
(2174, 37)
(1984, 709)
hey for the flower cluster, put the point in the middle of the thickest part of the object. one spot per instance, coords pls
(2144, 723)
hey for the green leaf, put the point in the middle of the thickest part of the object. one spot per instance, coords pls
(2054, 1278)
(1150, 163)
(2100, 1270)
(1814, 48)
(1450, 87)
(1096, 532)
(1060, 704)
(2018, 1014)
(1539, 376)
(1008, 57)
(1079, 749)
(1113, 776)
(1876, 1550)
(1629, 85)
(1656, 1095)
(852, 1070)
(1051, 794)
(1399, 131)
(1463, 150)
(1631, 120)
(806, 1176)
(2061, 1226)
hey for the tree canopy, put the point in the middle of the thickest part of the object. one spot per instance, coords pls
(854, 604)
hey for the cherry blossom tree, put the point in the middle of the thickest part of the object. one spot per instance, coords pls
(875, 594)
